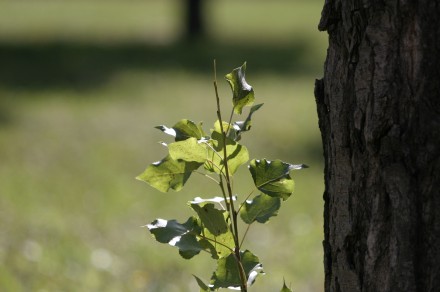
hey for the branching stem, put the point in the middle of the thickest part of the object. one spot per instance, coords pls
(233, 213)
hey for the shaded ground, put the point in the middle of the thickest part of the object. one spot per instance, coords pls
(85, 65)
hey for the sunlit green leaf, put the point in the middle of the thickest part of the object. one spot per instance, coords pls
(219, 246)
(211, 218)
(242, 92)
(217, 127)
(260, 209)
(183, 236)
(216, 236)
(168, 173)
(231, 129)
(237, 154)
(183, 130)
(272, 177)
(227, 273)
(188, 150)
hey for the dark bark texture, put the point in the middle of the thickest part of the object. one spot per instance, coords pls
(379, 115)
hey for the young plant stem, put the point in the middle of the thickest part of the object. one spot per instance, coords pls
(207, 176)
(233, 213)
(230, 121)
(245, 233)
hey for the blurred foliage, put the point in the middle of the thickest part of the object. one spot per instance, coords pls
(83, 83)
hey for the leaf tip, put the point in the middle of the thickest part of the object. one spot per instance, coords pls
(139, 178)
(285, 288)
(297, 166)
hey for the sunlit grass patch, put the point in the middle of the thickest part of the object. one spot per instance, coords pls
(89, 21)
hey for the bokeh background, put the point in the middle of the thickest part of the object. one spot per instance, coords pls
(82, 85)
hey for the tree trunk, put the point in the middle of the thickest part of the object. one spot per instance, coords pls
(195, 27)
(379, 115)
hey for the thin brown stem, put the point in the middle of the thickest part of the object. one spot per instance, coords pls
(230, 121)
(233, 213)
(245, 233)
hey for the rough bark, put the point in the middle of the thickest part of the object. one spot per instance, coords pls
(379, 115)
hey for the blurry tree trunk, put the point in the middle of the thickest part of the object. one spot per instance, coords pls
(194, 18)
(379, 115)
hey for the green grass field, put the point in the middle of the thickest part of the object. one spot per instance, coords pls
(82, 85)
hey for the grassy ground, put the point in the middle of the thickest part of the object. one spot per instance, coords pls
(82, 84)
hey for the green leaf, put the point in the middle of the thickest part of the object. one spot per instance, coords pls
(235, 130)
(182, 236)
(188, 246)
(285, 288)
(272, 177)
(183, 130)
(260, 209)
(243, 126)
(219, 246)
(211, 218)
(225, 125)
(216, 235)
(202, 285)
(188, 150)
(168, 173)
(218, 200)
(227, 273)
(237, 154)
(231, 130)
(242, 92)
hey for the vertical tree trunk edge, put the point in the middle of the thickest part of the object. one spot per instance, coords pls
(379, 115)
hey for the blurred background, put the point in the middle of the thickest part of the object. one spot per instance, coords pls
(82, 85)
